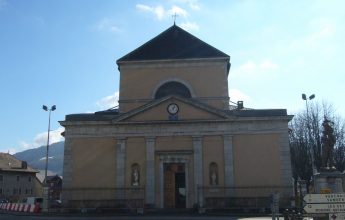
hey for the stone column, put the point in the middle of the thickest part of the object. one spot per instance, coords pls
(120, 167)
(198, 170)
(150, 170)
(228, 162)
(161, 183)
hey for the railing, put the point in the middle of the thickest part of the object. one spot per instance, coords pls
(256, 197)
(121, 198)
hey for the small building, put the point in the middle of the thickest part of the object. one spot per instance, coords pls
(17, 179)
(55, 187)
(174, 141)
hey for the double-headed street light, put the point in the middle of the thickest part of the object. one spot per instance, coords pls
(45, 108)
(304, 97)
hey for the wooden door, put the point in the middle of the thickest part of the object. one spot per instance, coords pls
(169, 189)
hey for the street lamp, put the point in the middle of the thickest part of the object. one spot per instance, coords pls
(45, 108)
(304, 97)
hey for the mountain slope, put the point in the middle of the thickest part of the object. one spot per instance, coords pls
(36, 157)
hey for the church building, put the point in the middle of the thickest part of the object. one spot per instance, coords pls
(175, 141)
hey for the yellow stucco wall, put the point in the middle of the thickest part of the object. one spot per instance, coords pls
(256, 160)
(93, 162)
(174, 143)
(208, 80)
(135, 153)
(213, 151)
(186, 112)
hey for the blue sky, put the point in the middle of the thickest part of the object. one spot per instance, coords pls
(64, 52)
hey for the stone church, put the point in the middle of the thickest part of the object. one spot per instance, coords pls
(174, 141)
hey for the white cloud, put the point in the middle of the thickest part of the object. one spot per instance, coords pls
(237, 95)
(161, 13)
(252, 69)
(43, 158)
(178, 11)
(12, 150)
(158, 11)
(106, 24)
(41, 139)
(190, 26)
(108, 101)
(193, 4)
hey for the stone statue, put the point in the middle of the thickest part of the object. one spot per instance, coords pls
(213, 178)
(327, 141)
(135, 177)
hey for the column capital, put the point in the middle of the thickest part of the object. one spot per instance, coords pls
(228, 135)
(120, 139)
(197, 137)
(150, 138)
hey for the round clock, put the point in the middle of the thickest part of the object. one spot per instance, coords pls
(172, 108)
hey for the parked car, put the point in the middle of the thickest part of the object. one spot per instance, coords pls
(3, 201)
(55, 204)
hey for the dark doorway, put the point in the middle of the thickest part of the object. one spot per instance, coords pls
(180, 190)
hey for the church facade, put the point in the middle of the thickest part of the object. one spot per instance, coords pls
(174, 141)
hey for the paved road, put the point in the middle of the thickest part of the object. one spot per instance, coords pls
(23, 217)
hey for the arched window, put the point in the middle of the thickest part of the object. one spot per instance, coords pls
(135, 175)
(213, 174)
(173, 88)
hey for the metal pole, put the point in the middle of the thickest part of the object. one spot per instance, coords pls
(47, 150)
(310, 138)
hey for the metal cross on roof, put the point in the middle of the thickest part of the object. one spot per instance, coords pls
(174, 16)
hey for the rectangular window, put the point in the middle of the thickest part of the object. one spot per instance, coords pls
(15, 191)
(29, 179)
(0, 191)
(18, 178)
(1, 178)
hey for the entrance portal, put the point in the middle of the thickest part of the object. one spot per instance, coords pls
(174, 185)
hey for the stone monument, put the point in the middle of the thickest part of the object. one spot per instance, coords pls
(329, 179)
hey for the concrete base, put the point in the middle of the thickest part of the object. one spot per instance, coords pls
(329, 182)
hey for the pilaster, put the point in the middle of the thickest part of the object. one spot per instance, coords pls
(198, 169)
(228, 161)
(120, 166)
(150, 170)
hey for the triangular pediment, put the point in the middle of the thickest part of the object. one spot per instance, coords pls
(157, 110)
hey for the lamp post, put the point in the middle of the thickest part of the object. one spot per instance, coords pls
(45, 186)
(304, 97)
(45, 108)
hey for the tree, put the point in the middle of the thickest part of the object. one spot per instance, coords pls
(306, 137)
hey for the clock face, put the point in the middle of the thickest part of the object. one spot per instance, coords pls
(173, 108)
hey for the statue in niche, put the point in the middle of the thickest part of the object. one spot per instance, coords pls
(327, 140)
(213, 174)
(135, 175)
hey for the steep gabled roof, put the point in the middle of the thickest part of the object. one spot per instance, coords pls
(173, 43)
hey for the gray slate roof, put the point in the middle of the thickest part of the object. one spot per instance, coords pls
(173, 43)
(10, 163)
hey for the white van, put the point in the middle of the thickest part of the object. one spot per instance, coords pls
(33, 200)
